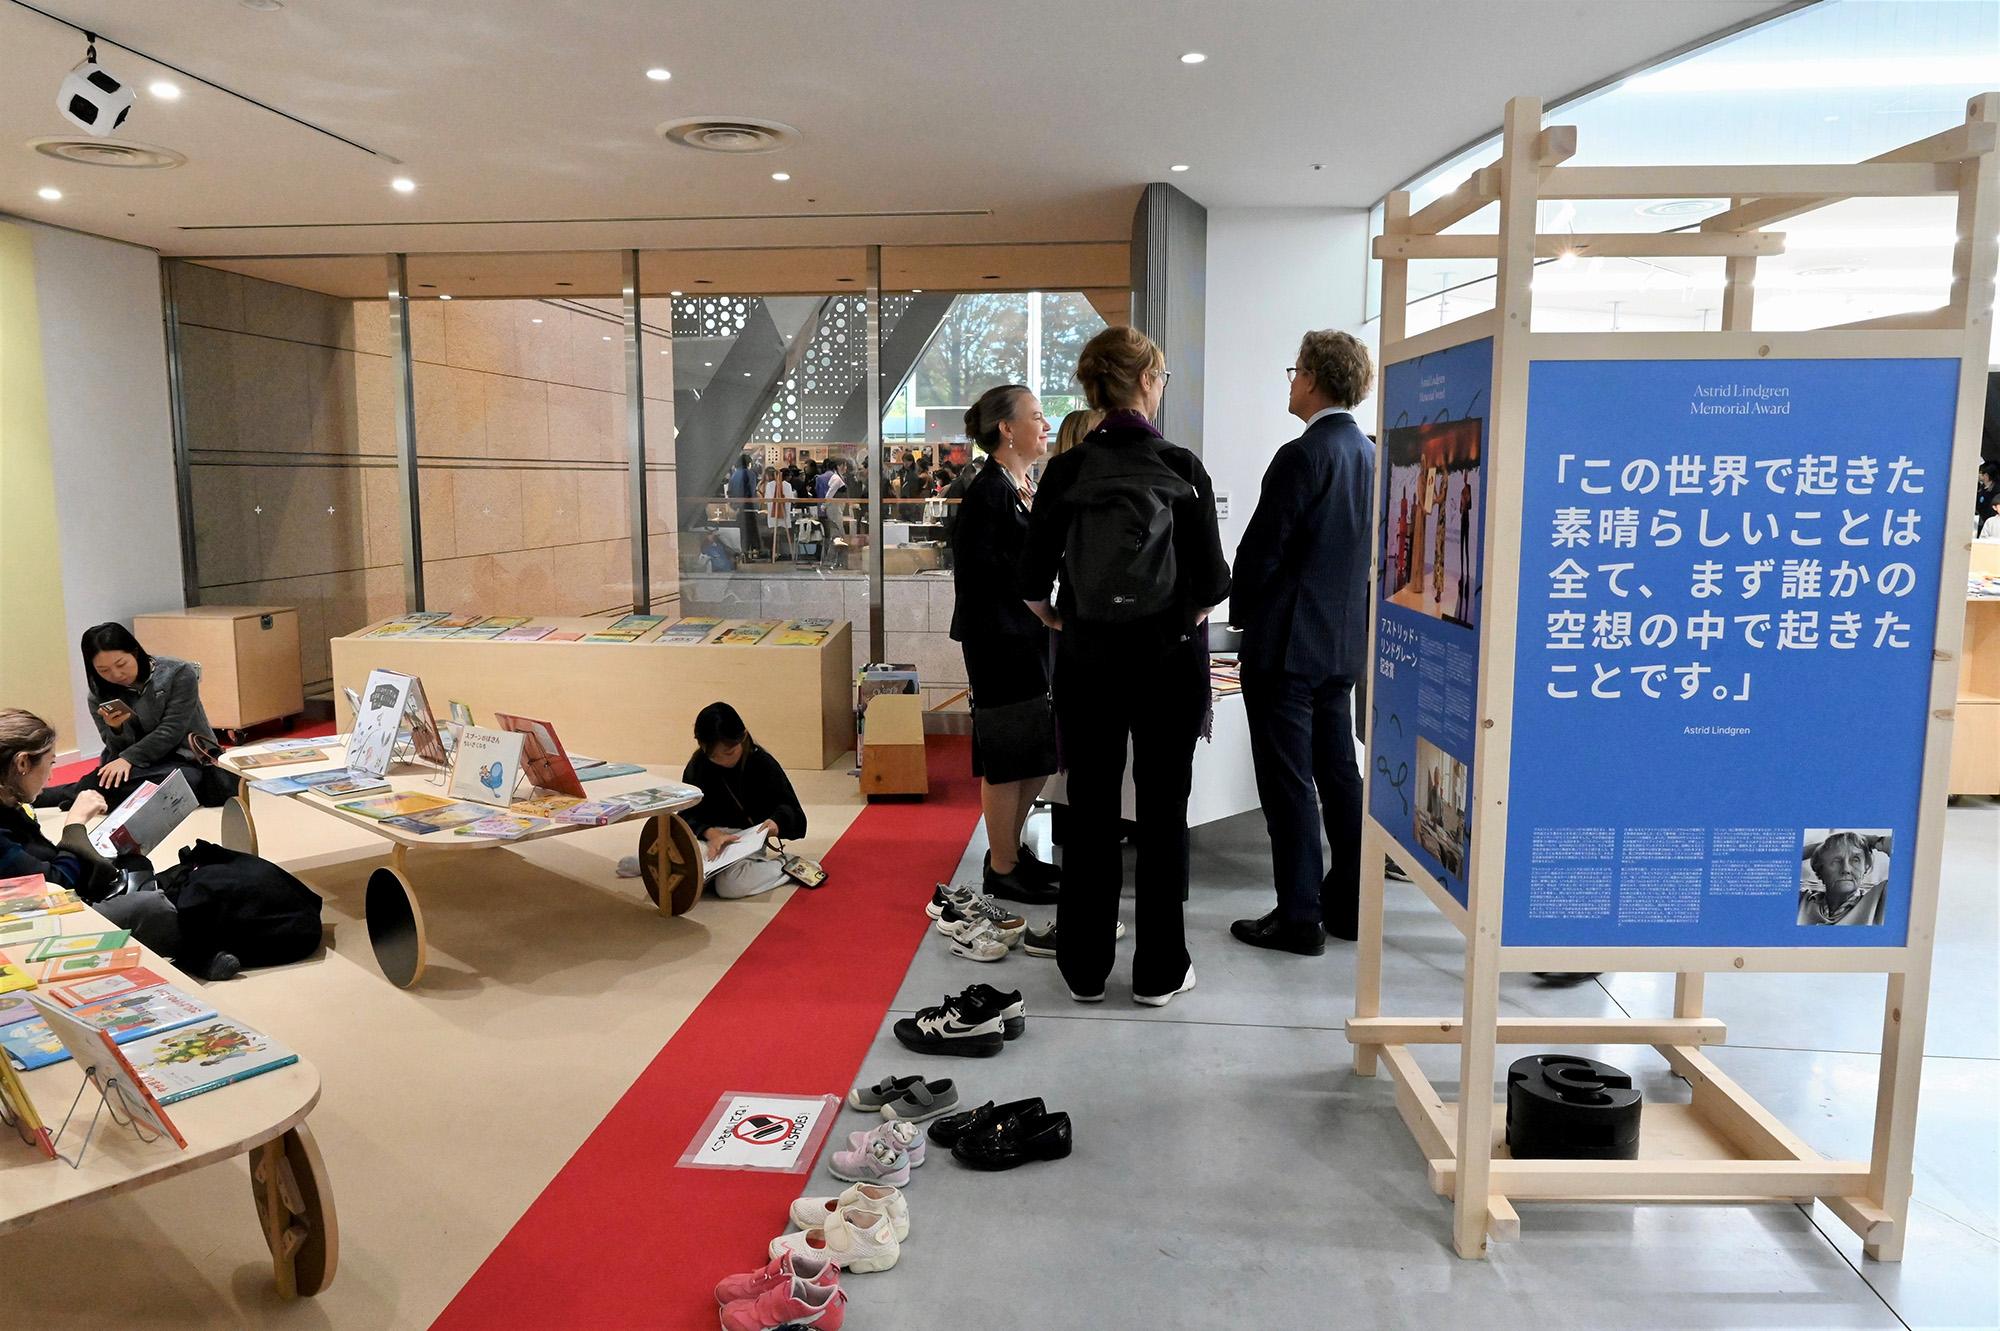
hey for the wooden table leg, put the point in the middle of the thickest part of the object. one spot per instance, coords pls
(670, 854)
(239, 831)
(294, 1198)
(395, 922)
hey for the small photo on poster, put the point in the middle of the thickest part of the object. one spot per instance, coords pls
(1444, 791)
(1431, 512)
(1843, 875)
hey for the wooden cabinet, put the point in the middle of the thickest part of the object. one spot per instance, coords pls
(1975, 744)
(249, 657)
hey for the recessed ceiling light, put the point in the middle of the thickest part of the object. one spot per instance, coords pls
(49, 192)
(1193, 58)
(444, 295)
(708, 365)
(658, 75)
(665, 350)
(164, 90)
(534, 321)
(746, 374)
(673, 293)
(916, 291)
(403, 185)
(780, 175)
(607, 337)
(1178, 166)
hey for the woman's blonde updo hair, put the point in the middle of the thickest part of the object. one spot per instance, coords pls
(1114, 366)
(20, 733)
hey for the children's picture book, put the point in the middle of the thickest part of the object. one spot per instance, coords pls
(643, 623)
(279, 785)
(596, 813)
(456, 622)
(82, 993)
(14, 976)
(543, 806)
(602, 770)
(564, 635)
(461, 715)
(803, 633)
(542, 756)
(15, 1009)
(395, 628)
(24, 931)
(483, 631)
(143, 1012)
(31, 1044)
(103, 1064)
(689, 631)
(488, 765)
(749, 633)
(70, 945)
(20, 1109)
(424, 736)
(27, 885)
(401, 804)
(251, 762)
(455, 814)
(614, 635)
(377, 721)
(319, 780)
(86, 964)
(146, 818)
(527, 633)
(503, 622)
(503, 827)
(204, 1056)
(352, 784)
(56, 901)
(433, 631)
(660, 797)
(735, 852)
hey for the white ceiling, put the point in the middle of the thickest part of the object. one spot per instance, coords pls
(1038, 118)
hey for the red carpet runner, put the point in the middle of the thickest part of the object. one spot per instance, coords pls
(621, 1237)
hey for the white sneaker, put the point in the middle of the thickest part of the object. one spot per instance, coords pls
(900, 1133)
(876, 1160)
(815, 1212)
(978, 940)
(855, 1240)
(1161, 1000)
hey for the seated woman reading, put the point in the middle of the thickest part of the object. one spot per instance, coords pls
(745, 794)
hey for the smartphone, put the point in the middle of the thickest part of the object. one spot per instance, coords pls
(115, 713)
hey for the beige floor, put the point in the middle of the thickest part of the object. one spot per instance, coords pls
(551, 985)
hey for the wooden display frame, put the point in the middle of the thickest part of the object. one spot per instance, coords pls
(1723, 1146)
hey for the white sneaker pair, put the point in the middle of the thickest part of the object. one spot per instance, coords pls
(817, 1212)
(980, 939)
(854, 1239)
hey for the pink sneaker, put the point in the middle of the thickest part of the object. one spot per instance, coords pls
(813, 1267)
(800, 1303)
(878, 1161)
(905, 1136)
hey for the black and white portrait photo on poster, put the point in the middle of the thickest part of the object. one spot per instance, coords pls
(1843, 875)
(1444, 794)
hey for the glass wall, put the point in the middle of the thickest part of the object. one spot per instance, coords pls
(1837, 82)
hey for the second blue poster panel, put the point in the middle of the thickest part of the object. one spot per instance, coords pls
(1430, 540)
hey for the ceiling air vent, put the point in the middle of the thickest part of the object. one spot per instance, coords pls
(728, 134)
(109, 152)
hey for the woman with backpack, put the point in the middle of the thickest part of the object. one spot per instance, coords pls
(1127, 520)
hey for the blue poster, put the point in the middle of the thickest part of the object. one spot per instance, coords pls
(1426, 681)
(1729, 582)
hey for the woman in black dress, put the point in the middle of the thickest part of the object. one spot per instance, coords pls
(1006, 647)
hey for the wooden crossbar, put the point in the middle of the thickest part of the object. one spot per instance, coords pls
(1865, 180)
(1596, 245)
(1779, 1180)
(1542, 1030)
(1952, 145)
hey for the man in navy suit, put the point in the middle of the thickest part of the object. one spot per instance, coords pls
(1301, 599)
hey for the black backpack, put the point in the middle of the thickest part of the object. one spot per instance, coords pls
(231, 902)
(1119, 561)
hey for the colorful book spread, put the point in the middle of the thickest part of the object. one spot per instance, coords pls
(144, 1012)
(70, 945)
(526, 633)
(564, 635)
(314, 780)
(31, 1044)
(279, 785)
(402, 804)
(250, 762)
(615, 635)
(596, 813)
(82, 993)
(21, 1112)
(204, 1056)
(659, 797)
(503, 827)
(353, 785)
(14, 976)
(86, 964)
(749, 632)
(60, 901)
(13, 1010)
(602, 770)
(543, 806)
(803, 633)
(694, 629)
(453, 814)
(27, 885)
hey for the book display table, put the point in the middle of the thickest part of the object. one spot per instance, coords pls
(631, 701)
(669, 855)
(262, 1117)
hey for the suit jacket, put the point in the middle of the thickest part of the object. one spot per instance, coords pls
(986, 544)
(1301, 594)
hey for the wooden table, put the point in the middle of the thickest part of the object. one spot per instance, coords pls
(263, 1117)
(670, 862)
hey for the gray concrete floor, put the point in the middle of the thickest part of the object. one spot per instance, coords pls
(1232, 1171)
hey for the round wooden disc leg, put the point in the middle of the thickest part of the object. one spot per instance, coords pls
(288, 1182)
(395, 927)
(239, 833)
(673, 859)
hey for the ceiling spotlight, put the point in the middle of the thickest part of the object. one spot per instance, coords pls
(91, 97)
(164, 90)
(443, 296)
(607, 337)
(1178, 166)
(673, 293)
(916, 291)
(658, 75)
(1193, 58)
(780, 175)
(746, 374)
(534, 321)
(49, 192)
(708, 365)
(403, 185)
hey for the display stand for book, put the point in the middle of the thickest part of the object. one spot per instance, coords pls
(121, 1114)
(1659, 872)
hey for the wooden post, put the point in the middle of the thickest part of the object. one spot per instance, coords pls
(1519, 176)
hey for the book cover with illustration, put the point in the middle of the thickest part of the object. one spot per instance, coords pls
(564, 635)
(543, 806)
(691, 630)
(146, 817)
(614, 635)
(86, 964)
(602, 770)
(502, 827)
(659, 797)
(70, 945)
(456, 622)
(31, 1044)
(542, 755)
(15, 1009)
(193, 1060)
(105, 1064)
(527, 633)
(378, 721)
(596, 813)
(488, 766)
(27, 885)
(803, 633)
(640, 623)
(485, 632)
(433, 631)
(20, 1108)
(352, 784)
(14, 976)
(456, 813)
(400, 804)
(82, 993)
(58, 901)
(749, 633)
(393, 629)
(143, 1012)
(251, 762)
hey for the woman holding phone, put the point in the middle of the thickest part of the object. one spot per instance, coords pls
(149, 715)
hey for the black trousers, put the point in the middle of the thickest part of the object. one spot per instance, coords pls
(1108, 689)
(212, 786)
(1302, 747)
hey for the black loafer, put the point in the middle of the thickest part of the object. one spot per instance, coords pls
(1037, 870)
(947, 1132)
(1017, 886)
(1303, 937)
(1018, 1141)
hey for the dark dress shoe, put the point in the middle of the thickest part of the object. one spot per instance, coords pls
(1301, 936)
(1017, 886)
(948, 1131)
(1037, 870)
(1018, 1141)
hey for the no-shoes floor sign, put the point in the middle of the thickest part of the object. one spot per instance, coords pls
(751, 1130)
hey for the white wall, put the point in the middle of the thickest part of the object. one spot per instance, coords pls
(110, 434)
(1273, 273)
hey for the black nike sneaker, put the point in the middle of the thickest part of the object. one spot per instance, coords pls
(956, 1026)
(1013, 1011)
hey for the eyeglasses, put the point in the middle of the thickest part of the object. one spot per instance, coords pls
(1165, 375)
(1291, 373)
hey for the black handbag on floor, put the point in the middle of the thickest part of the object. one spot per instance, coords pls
(1016, 740)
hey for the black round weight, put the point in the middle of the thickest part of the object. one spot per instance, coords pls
(1562, 1107)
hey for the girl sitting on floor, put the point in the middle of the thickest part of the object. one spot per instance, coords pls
(745, 794)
